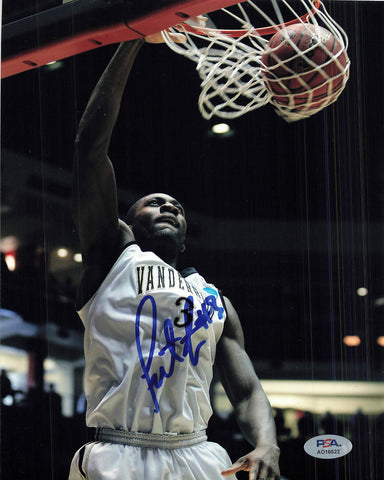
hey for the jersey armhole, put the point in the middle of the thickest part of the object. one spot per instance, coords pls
(87, 289)
(223, 302)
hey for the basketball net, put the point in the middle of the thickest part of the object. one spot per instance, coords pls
(229, 61)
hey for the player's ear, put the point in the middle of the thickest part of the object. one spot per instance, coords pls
(182, 249)
(124, 225)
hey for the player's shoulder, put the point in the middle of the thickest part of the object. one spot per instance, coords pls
(99, 259)
(231, 311)
(232, 326)
(104, 249)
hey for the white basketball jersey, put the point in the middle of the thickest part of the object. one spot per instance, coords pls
(150, 343)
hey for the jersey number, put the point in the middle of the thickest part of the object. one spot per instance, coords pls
(188, 312)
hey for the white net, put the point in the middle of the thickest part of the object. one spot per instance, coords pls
(241, 71)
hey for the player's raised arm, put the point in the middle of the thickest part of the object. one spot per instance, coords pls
(95, 195)
(94, 187)
(252, 408)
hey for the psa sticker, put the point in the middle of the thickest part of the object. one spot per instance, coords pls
(328, 446)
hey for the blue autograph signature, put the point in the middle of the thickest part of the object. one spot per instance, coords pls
(203, 320)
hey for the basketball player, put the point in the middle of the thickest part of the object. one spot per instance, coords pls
(152, 333)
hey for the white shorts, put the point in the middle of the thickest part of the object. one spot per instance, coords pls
(112, 461)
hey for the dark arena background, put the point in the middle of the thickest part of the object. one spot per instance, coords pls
(286, 218)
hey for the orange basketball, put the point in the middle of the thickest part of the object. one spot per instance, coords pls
(301, 66)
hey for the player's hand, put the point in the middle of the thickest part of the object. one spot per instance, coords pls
(262, 464)
(198, 21)
(158, 37)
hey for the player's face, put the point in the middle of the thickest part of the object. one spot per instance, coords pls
(159, 216)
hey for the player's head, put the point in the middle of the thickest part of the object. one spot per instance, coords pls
(158, 223)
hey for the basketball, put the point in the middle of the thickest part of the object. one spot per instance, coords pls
(304, 66)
